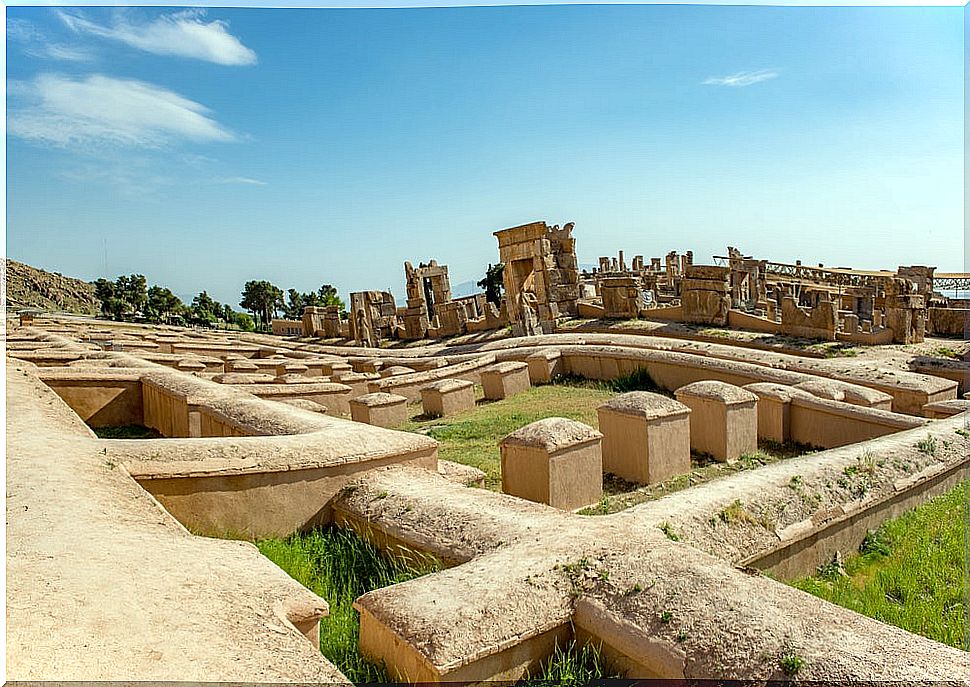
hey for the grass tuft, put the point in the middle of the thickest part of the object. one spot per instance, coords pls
(339, 566)
(572, 666)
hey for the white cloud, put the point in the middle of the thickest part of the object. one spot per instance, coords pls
(742, 78)
(100, 109)
(22, 30)
(183, 34)
(37, 44)
(240, 180)
(61, 51)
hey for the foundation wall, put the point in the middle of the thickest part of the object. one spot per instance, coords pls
(217, 425)
(264, 504)
(165, 411)
(102, 403)
(410, 385)
(336, 402)
(802, 556)
(832, 424)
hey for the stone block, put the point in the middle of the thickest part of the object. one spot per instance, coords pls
(774, 410)
(544, 366)
(291, 368)
(396, 370)
(553, 461)
(646, 437)
(502, 380)
(724, 419)
(190, 365)
(380, 409)
(447, 397)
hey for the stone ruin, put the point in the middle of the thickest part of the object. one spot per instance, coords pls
(102, 535)
(831, 304)
(541, 275)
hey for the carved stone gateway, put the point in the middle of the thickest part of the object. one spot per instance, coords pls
(541, 275)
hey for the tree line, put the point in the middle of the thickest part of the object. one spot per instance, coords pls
(129, 298)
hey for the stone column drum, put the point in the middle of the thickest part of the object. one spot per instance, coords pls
(724, 419)
(380, 409)
(502, 380)
(447, 397)
(646, 437)
(544, 366)
(553, 461)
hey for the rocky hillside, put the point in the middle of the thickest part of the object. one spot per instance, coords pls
(29, 287)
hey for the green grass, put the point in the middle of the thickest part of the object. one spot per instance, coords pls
(472, 438)
(909, 573)
(339, 566)
(126, 432)
(572, 666)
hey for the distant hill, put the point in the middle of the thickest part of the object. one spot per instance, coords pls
(466, 288)
(29, 287)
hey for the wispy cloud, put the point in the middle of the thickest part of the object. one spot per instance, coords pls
(99, 109)
(741, 78)
(240, 180)
(182, 34)
(36, 44)
(62, 51)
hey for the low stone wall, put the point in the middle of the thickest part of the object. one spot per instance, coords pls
(820, 422)
(334, 397)
(534, 573)
(111, 588)
(742, 320)
(797, 505)
(111, 400)
(166, 410)
(948, 322)
(410, 385)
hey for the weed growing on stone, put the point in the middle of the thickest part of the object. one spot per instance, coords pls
(927, 445)
(668, 530)
(638, 380)
(735, 514)
(791, 664)
(339, 566)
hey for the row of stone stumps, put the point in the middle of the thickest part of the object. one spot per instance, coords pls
(442, 398)
(643, 438)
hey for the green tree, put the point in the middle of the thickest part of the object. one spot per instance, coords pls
(293, 309)
(132, 289)
(493, 283)
(243, 321)
(328, 296)
(162, 304)
(204, 309)
(104, 291)
(262, 299)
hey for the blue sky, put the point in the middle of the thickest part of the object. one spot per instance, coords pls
(204, 148)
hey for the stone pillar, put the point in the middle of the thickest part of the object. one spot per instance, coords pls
(447, 397)
(502, 380)
(774, 410)
(724, 419)
(646, 437)
(380, 409)
(544, 366)
(553, 461)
